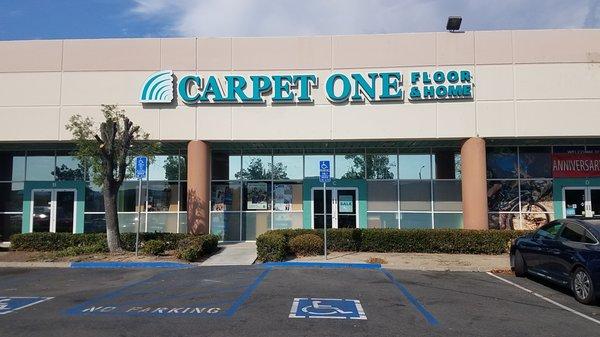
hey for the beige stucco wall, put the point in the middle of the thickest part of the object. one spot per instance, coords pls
(526, 83)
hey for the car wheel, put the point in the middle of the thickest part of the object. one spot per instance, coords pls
(582, 286)
(520, 266)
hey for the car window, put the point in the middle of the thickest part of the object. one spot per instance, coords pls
(589, 238)
(573, 232)
(549, 231)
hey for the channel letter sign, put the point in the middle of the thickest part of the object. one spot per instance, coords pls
(297, 88)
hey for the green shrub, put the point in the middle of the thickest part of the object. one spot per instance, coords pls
(271, 246)
(48, 242)
(84, 250)
(193, 247)
(154, 247)
(306, 245)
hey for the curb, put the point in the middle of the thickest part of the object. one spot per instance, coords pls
(132, 265)
(322, 265)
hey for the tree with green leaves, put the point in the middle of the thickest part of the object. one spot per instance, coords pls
(108, 150)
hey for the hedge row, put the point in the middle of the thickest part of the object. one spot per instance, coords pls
(275, 245)
(67, 244)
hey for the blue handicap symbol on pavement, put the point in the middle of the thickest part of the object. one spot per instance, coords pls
(327, 308)
(10, 304)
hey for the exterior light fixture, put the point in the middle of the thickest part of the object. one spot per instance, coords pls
(453, 23)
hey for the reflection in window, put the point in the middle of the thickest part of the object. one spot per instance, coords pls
(226, 226)
(162, 196)
(10, 224)
(415, 220)
(94, 200)
(446, 164)
(382, 220)
(414, 166)
(535, 162)
(311, 164)
(128, 197)
(287, 197)
(94, 223)
(40, 166)
(11, 197)
(162, 222)
(501, 162)
(69, 168)
(164, 168)
(283, 220)
(383, 195)
(503, 195)
(447, 195)
(350, 166)
(448, 220)
(382, 166)
(287, 167)
(225, 165)
(12, 166)
(255, 168)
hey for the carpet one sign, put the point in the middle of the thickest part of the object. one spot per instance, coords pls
(297, 88)
(575, 165)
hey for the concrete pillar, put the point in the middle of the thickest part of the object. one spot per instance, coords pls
(198, 187)
(474, 186)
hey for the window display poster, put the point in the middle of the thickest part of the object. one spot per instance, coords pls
(283, 197)
(346, 204)
(223, 198)
(257, 196)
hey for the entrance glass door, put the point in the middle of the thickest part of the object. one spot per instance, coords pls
(53, 211)
(581, 202)
(341, 208)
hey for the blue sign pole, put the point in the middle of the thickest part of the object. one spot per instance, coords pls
(141, 167)
(325, 177)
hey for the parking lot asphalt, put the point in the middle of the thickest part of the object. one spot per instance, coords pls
(259, 301)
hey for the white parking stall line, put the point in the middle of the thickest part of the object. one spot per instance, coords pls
(547, 299)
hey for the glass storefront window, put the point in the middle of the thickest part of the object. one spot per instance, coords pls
(10, 224)
(287, 197)
(225, 165)
(162, 223)
(311, 164)
(128, 222)
(287, 167)
(40, 166)
(535, 162)
(255, 168)
(128, 197)
(11, 197)
(503, 195)
(164, 168)
(226, 226)
(94, 200)
(254, 224)
(183, 196)
(382, 220)
(284, 220)
(350, 166)
(447, 195)
(415, 220)
(448, 220)
(446, 164)
(415, 195)
(382, 166)
(569, 149)
(183, 223)
(501, 162)
(12, 166)
(383, 195)
(225, 196)
(531, 221)
(162, 196)
(257, 196)
(94, 223)
(69, 168)
(414, 166)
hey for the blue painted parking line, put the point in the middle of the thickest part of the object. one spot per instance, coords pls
(413, 300)
(235, 306)
(139, 265)
(14, 303)
(324, 265)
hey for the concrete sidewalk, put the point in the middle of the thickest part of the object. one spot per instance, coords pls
(419, 261)
(233, 254)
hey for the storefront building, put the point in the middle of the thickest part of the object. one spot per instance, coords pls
(470, 130)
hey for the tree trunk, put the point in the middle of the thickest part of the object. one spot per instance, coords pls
(112, 219)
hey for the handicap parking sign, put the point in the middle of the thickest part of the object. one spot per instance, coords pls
(10, 304)
(324, 171)
(327, 308)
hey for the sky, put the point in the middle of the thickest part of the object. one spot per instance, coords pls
(65, 19)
